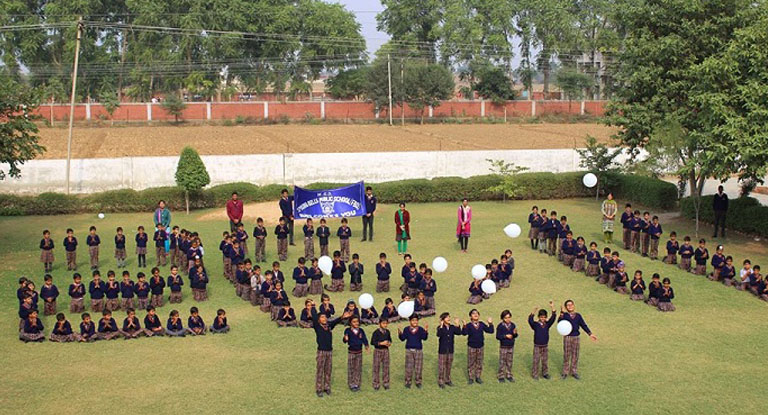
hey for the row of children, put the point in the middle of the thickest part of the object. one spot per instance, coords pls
(111, 295)
(414, 335)
(181, 250)
(32, 329)
(499, 271)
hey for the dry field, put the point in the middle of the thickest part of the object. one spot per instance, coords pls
(119, 141)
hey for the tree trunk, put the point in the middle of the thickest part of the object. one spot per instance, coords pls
(186, 200)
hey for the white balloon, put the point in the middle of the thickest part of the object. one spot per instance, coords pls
(478, 272)
(365, 300)
(101, 216)
(488, 286)
(589, 180)
(405, 309)
(564, 327)
(325, 263)
(513, 230)
(439, 264)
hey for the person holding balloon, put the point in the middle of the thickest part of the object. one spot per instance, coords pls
(464, 226)
(568, 326)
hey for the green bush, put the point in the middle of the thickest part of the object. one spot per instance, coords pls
(745, 214)
(648, 192)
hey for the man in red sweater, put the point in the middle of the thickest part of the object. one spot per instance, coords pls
(234, 211)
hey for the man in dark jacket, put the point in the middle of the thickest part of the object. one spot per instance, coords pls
(720, 206)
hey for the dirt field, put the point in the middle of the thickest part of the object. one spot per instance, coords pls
(96, 142)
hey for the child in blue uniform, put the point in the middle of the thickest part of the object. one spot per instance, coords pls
(506, 333)
(541, 340)
(475, 331)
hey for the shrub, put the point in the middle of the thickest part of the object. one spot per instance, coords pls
(647, 191)
(191, 174)
(745, 214)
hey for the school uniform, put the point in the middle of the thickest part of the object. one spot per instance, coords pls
(571, 342)
(236, 257)
(727, 273)
(152, 326)
(475, 293)
(337, 277)
(638, 290)
(157, 286)
(286, 318)
(344, 233)
(174, 250)
(323, 233)
(389, 314)
(49, 294)
(242, 238)
(355, 338)
(301, 276)
(120, 250)
(127, 293)
(762, 290)
(579, 258)
(315, 276)
(621, 282)
(445, 348)
(429, 287)
(219, 325)
(174, 328)
(96, 290)
(541, 345)
(88, 331)
(412, 283)
(665, 299)
(718, 261)
(62, 333)
(701, 256)
(329, 310)
(422, 309)
(635, 225)
(654, 293)
(184, 245)
(277, 299)
(645, 237)
(533, 232)
(370, 207)
(593, 264)
(626, 218)
(655, 231)
(369, 315)
(414, 355)
(506, 271)
(256, 280)
(24, 311)
(76, 296)
(93, 242)
(354, 313)
(475, 332)
(356, 271)
(382, 277)
(112, 294)
(752, 283)
(195, 326)
(542, 242)
(160, 237)
(141, 248)
(131, 328)
(506, 349)
(281, 231)
(46, 253)
(70, 250)
(324, 339)
(686, 252)
(260, 239)
(381, 357)
(174, 283)
(226, 261)
(141, 289)
(32, 331)
(107, 329)
(309, 242)
(551, 228)
(278, 275)
(266, 302)
(305, 318)
(198, 281)
(562, 232)
(672, 248)
(242, 284)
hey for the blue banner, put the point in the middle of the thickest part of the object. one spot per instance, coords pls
(330, 203)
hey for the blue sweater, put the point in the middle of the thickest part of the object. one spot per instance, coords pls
(577, 321)
(541, 331)
(355, 338)
(476, 334)
(502, 330)
(413, 338)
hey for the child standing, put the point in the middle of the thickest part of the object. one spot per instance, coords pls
(356, 271)
(475, 331)
(120, 247)
(141, 247)
(174, 246)
(686, 253)
(355, 337)
(645, 233)
(541, 340)
(93, 241)
(344, 233)
(626, 218)
(701, 255)
(324, 338)
(309, 240)
(323, 233)
(46, 251)
(571, 341)
(70, 249)
(242, 236)
(383, 272)
(542, 242)
(260, 237)
(655, 231)
(533, 232)
(635, 226)
(506, 333)
(381, 339)
(672, 247)
(446, 333)
(638, 287)
(49, 293)
(76, 294)
(160, 237)
(667, 294)
(224, 246)
(281, 231)
(413, 336)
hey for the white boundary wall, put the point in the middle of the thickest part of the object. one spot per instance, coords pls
(94, 175)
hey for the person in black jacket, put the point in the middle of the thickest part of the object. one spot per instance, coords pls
(324, 337)
(720, 206)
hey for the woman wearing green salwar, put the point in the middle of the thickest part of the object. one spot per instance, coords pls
(608, 209)
(402, 229)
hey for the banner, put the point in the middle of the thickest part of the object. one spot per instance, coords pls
(330, 203)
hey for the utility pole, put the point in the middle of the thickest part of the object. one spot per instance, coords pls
(389, 78)
(402, 91)
(72, 98)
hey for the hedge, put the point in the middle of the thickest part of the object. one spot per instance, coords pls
(745, 214)
(645, 191)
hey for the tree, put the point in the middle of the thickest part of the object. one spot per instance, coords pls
(18, 131)
(191, 174)
(494, 84)
(174, 105)
(413, 21)
(110, 101)
(377, 84)
(426, 85)
(348, 84)
(598, 159)
(678, 59)
(573, 83)
(508, 186)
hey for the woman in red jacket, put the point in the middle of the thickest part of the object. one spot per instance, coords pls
(402, 230)
(464, 225)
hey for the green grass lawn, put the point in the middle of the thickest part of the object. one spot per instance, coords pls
(707, 357)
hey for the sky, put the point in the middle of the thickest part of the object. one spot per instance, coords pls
(366, 11)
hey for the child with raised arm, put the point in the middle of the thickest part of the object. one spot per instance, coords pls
(324, 338)
(541, 340)
(475, 331)
(446, 334)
